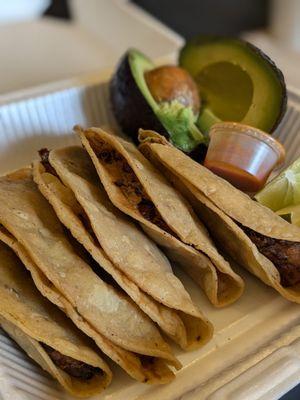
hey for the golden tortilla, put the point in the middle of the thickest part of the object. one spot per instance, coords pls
(134, 261)
(129, 177)
(31, 320)
(118, 327)
(221, 206)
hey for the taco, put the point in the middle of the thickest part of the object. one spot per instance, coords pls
(69, 181)
(253, 235)
(139, 190)
(101, 311)
(46, 334)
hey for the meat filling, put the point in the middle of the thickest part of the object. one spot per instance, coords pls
(125, 178)
(44, 155)
(81, 214)
(284, 254)
(75, 368)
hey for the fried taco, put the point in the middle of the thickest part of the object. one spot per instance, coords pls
(68, 179)
(119, 328)
(46, 334)
(253, 235)
(137, 188)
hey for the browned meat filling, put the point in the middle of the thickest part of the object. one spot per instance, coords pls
(126, 180)
(44, 154)
(81, 214)
(87, 224)
(284, 254)
(75, 368)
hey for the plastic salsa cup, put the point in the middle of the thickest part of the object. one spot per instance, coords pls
(243, 155)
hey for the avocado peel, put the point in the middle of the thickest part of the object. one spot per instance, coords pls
(134, 106)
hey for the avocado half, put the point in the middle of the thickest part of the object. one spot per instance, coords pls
(237, 82)
(134, 107)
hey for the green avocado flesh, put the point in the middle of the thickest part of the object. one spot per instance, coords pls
(139, 64)
(178, 120)
(237, 82)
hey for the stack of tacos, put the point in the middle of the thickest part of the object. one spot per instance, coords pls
(140, 191)
(68, 180)
(121, 330)
(46, 334)
(253, 235)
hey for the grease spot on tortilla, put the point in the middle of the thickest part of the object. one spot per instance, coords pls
(104, 301)
(22, 215)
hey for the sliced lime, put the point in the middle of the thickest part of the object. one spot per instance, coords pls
(282, 191)
(293, 212)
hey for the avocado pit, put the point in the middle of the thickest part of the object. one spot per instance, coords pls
(168, 83)
(163, 99)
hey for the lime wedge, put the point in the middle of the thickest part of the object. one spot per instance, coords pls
(293, 212)
(282, 191)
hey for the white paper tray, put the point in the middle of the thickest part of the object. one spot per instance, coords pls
(255, 352)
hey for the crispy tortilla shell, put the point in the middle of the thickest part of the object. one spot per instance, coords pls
(31, 321)
(134, 261)
(118, 327)
(171, 221)
(225, 210)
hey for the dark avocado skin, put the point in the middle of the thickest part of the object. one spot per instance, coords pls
(280, 77)
(129, 106)
(213, 38)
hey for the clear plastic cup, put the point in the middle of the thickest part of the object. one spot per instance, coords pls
(243, 155)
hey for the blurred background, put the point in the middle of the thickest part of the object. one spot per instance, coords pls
(48, 40)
